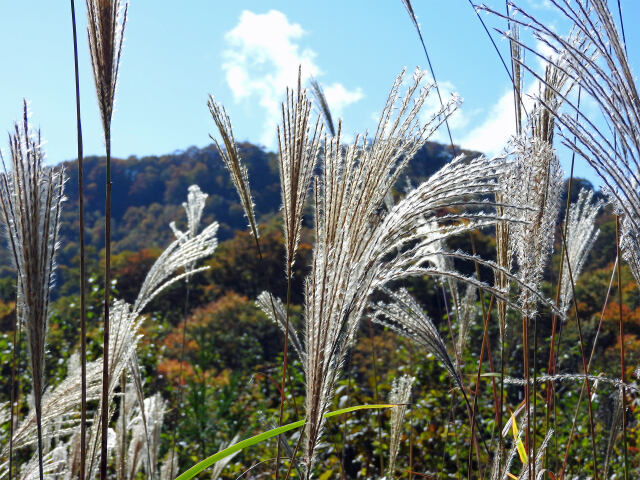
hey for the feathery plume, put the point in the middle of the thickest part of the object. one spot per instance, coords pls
(60, 405)
(581, 235)
(270, 304)
(594, 57)
(299, 147)
(124, 324)
(405, 316)
(181, 254)
(31, 196)
(351, 189)
(467, 311)
(141, 440)
(106, 33)
(232, 161)
(220, 465)
(399, 395)
(535, 185)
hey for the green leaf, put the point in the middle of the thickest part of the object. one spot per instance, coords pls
(207, 462)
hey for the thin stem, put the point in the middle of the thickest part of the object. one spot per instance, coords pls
(14, 358)
(284, 362)
(123, 414)
(83, 304)
(374, 359)
(586, 384)
(622, 367)
(107, 291)
(39, 426)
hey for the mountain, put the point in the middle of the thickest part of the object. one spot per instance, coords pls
(148, 193)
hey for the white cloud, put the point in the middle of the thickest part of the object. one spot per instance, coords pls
(338, 97)
(262, 59)
(491, 136)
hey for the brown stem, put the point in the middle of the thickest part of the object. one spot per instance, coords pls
(83, 305)
(622, 367)
(14, 358)
(107, 293)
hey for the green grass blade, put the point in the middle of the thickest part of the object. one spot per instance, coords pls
(207, 462)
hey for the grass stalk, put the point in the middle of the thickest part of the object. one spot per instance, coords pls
(622, 365)
(83, 300)
(13, 414)
(104, 413)
(586, 384)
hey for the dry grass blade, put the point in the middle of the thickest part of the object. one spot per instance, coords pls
(323, 106)
(30, 198)
(400, 395)
(232, 161)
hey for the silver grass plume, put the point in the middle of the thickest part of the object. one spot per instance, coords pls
(467, 311)
(614, 425)
(30, 198)
(299, 147)
(270, 304)
(501, 465)
(232, 161)
(405, 316)
(182, 253)
(169, 465)
(53, 466)
(106, 22)
(124, 325)
(536, 184)
(193, 207)
(350, 190)
(581, 235)
(537, 464)
(134, 450)
(60, 404)
(597, 61)
(400, 395)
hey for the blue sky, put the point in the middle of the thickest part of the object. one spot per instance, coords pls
(245, 53)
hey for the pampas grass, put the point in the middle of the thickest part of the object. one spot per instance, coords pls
(366, 244)
(106, 34)
(31, 196)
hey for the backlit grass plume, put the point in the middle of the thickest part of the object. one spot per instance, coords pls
(582, 233)
(299, 146)
(31, 196)
(106, 23)
(358, 251)
(232, 161)
(594, 57)
(405, 316)
(400, 395)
